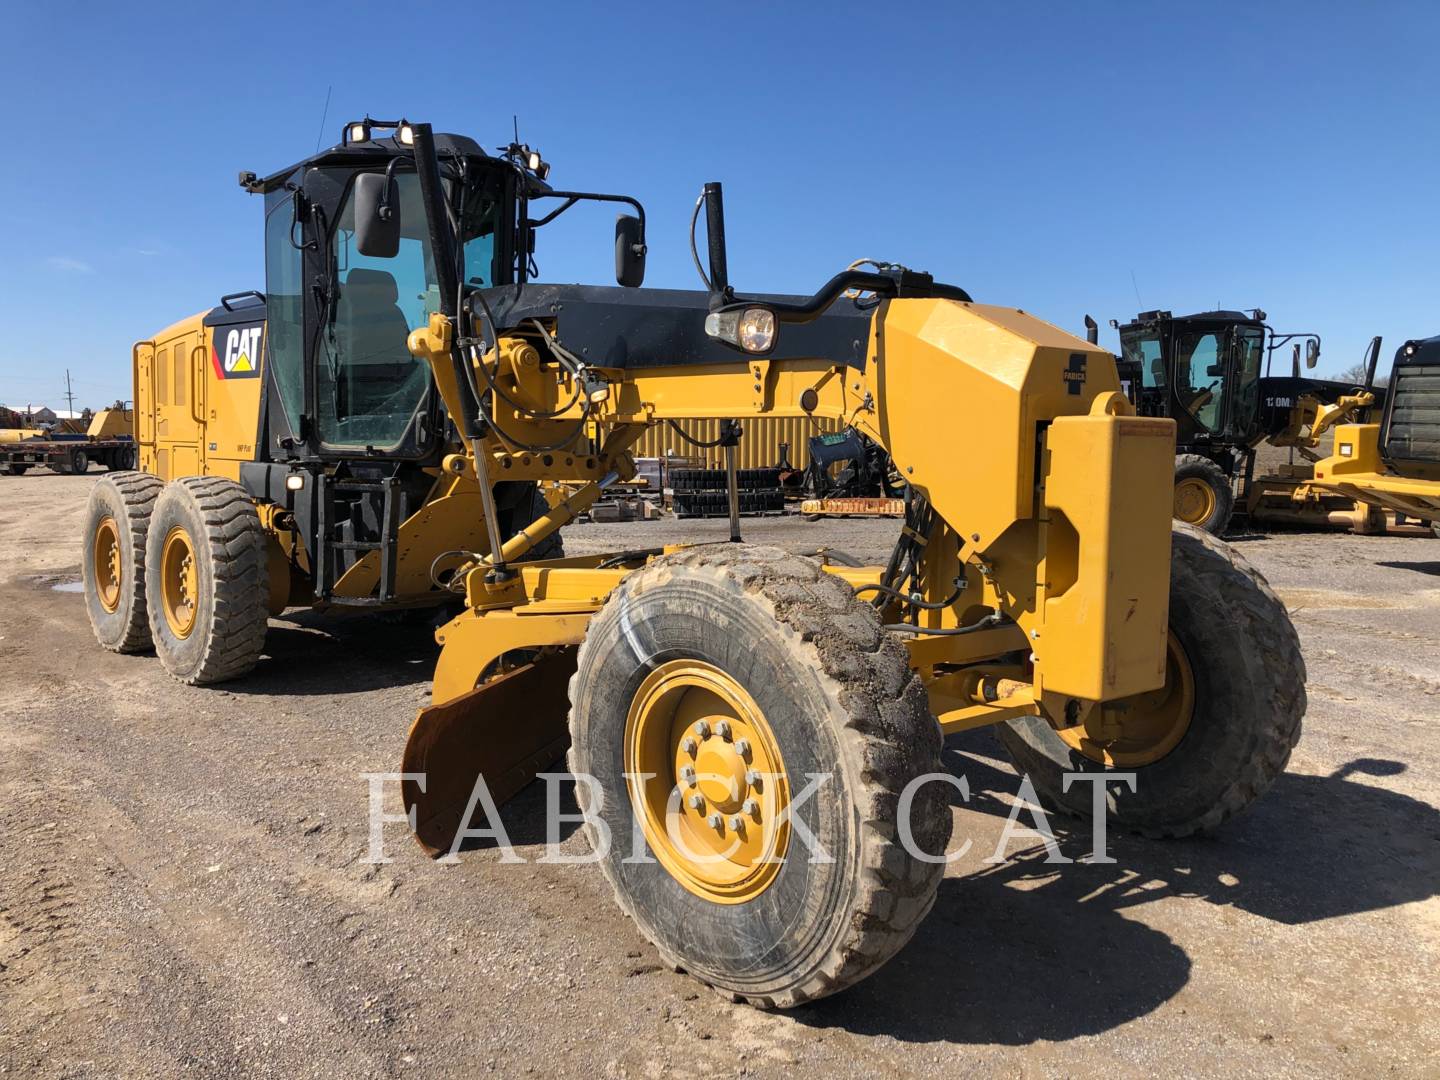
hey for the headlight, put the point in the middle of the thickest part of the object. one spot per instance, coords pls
(751, 329)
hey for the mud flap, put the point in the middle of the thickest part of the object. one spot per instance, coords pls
(507, 730)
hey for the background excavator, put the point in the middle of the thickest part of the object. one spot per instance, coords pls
(369, 431)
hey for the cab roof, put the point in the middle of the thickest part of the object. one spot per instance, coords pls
(369, 152)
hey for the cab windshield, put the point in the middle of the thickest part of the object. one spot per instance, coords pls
(368, 385)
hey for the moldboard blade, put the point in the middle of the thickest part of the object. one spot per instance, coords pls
(507, 730)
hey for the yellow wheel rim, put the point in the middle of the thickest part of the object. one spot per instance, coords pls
(1140, 730)
(106, 557)
(707, 782)
(179, 582)
(1194, 500)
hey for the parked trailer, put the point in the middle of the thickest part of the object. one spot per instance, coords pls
(109, 441)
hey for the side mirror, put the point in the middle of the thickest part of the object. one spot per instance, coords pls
(629, 251)
(377, 216)
(1312, 353)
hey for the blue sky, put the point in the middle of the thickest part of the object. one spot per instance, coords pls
(1057, 157)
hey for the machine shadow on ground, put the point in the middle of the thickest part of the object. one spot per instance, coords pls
(1026, 950)
(311, 653)
(1430, 568)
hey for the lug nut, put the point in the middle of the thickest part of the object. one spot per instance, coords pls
(742, 747)
(689, 745)
(688, 775)
(750, 806)
(713, 821)
(702, 729)
(723, 729)
(753, 777)
(736, 824)
(697, 802)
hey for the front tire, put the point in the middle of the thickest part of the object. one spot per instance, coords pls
(1247, 697)
(818, 688)
(117, 521)
(1204, 496)
(206, 580)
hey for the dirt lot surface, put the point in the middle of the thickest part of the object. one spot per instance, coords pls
(184, 886)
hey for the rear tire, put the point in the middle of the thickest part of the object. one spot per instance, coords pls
(1248, 701)
(838, 698)
(75, 463)
(117, 520)
(1204, 496)
(208, 616)
(519, 503)
(15, 470)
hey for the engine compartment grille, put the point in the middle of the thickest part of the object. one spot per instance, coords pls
(1413, 431)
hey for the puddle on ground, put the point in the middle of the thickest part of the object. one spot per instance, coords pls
(69, 586)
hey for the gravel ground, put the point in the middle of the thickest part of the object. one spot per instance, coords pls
(184, 886)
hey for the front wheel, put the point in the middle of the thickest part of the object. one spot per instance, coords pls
(1204, 496)
(725, 698)
(1211, 741)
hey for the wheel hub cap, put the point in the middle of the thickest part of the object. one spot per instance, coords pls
(706, 781)
(179, 582)
(107, 564)
(1140, 730)
(1194, 501)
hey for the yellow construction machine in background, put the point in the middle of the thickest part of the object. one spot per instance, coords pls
(1394, 465)
(370, 432)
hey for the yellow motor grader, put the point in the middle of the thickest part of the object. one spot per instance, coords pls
(1394, 465)
(370, 432)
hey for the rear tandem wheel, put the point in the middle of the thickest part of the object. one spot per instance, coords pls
(206, 580)
(117, 519)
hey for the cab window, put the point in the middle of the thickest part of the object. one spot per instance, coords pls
(284, 306)
(368, 385)
(1143, 347)
(1200, 377)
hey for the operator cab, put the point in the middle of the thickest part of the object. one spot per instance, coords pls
(1206, 370)
(1203, 370)
(340, 380)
